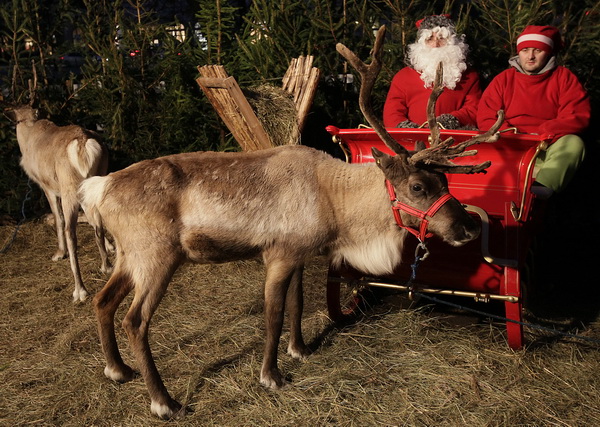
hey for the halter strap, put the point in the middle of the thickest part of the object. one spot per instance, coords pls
(424, 216)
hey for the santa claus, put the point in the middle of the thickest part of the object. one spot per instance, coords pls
(406, 103)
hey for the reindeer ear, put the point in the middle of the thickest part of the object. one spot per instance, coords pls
(384, 160)
(393, 167)
(381, 159)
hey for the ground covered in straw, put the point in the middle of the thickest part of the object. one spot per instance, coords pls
(418, 366)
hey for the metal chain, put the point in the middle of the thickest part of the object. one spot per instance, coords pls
(415, 265)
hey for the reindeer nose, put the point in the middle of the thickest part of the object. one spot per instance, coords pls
(473, 233)
(470, 231)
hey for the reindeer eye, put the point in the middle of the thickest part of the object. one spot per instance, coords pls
(417, 188)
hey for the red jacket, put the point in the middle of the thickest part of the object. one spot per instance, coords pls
(407, 99)
(552, 104)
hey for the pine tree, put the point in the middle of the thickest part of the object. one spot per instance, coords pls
(149, 104)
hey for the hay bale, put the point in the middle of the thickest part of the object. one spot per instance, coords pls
(275, 109)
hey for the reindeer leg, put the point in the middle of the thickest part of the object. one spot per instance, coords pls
(59, 223)
(149, 292)
(108, 245)
(102, 244)
(295, 305)
(279, 274)
(70, 209)
(106, 303)
(105, 245)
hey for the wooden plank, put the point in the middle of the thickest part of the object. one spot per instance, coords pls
(301, 77)
(308, 95)
(232, 106)
(300, 80)
(214, 82)
(224, 108)
(286, 81)
(255, 126)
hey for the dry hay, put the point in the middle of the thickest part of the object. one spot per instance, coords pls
(275, 109)
(394, 367)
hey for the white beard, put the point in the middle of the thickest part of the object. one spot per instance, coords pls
(425, 59)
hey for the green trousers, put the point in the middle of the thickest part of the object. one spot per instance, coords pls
(555, 167)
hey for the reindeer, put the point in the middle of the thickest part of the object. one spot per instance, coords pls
(58, 159)
(282, 204)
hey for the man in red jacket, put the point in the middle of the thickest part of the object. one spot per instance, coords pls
(406, 103)
(540, 97)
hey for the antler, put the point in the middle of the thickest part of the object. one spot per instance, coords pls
(438, 156)
(368, 76)
(437, 90)
(440, 153)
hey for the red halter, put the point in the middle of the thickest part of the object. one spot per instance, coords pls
(398, 206)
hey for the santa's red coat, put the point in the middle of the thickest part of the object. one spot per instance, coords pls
(408, 96)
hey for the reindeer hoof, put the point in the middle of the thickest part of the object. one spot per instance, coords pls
(106, 269)
(273, 380)
(298, 352)
(172, 410)
(59, 255)
(109, 246)
(121, 375)
(80, 295)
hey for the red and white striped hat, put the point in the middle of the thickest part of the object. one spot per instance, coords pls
(544, 37)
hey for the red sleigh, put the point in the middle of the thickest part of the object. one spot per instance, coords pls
(490, 268)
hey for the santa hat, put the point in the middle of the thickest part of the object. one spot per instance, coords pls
(433, 21)
(544, 37)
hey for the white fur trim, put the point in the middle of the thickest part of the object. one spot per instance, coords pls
(537, 38)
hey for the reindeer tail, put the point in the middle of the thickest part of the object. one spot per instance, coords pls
(87, 155)
(91, 194)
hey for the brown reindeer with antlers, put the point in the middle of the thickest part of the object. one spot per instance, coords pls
(282, 204)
